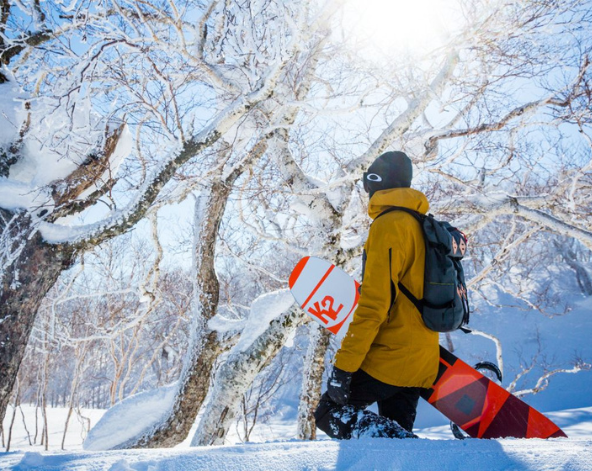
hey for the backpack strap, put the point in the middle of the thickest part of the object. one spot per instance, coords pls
(416, 214)
(418, 303)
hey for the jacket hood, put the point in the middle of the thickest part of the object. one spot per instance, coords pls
(405, 197)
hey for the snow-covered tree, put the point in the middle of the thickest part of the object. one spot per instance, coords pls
(491, 129)
(266, 112)
(103, 103)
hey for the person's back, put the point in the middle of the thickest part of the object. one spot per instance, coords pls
(403, 351)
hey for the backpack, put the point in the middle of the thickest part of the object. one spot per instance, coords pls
(445, 304)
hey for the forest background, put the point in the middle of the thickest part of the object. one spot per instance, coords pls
(165, 163)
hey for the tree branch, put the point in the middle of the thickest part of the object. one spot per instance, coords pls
(7, 53)
(511, 205)
(66, 191)
(404, 121)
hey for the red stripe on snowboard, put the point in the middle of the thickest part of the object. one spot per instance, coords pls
(319, 284)
(540, 426)
(297, 271)
(494, 401)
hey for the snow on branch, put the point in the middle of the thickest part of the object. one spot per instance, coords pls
(502, 254)
(264, 310)
(121, 221)
(404, 121)
(96, 171)
(543, 381)
(562, 98)
(520, 111)
(8, 52)
(498, 204)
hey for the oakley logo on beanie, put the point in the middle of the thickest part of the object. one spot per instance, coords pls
(373, 177)
(390, 170)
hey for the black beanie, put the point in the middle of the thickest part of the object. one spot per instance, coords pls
(390, 170)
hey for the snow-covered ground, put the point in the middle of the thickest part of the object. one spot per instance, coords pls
(524, 335)
(278, 450)
(376, 454)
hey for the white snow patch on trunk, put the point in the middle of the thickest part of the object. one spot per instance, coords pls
(264, 310)
(131, 418)
(223, 325)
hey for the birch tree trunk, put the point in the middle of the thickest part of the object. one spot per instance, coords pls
(205, 345)
(312, 381)
(236, 375)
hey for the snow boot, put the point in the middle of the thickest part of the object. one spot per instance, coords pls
(372, 425)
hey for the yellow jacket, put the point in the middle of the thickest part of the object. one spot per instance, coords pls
(391, 343)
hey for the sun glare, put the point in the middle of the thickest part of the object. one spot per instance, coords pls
(400, 25)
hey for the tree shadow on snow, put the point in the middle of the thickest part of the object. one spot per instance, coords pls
(424, 454)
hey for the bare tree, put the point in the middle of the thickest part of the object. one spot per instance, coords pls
(256, 402)
(178, 60)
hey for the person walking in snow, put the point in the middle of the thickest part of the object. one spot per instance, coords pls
(387, 354)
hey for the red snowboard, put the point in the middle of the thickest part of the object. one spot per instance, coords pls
(478, 405)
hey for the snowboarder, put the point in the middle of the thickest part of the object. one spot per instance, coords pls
(388, 354)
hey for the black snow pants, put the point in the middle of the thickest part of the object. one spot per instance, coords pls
(397, 408)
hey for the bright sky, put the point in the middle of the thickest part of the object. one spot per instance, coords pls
(401, 25)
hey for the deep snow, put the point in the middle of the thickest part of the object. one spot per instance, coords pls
(379, 454)
(126, 423)
(435, 450)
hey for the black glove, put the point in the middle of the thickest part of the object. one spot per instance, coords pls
(338, 386)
